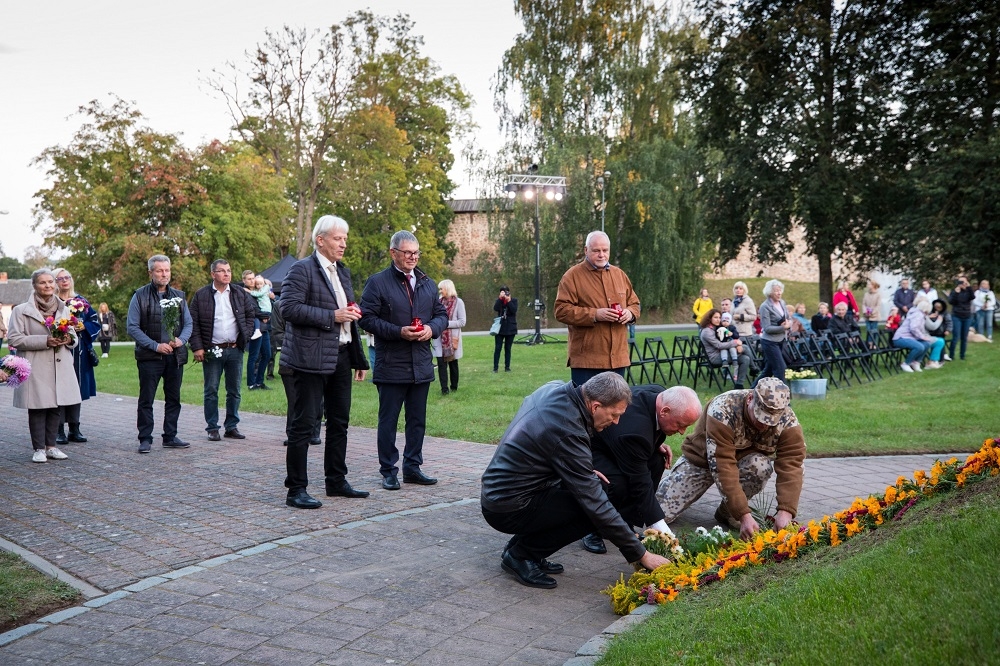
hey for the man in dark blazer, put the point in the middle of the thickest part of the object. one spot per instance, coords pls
(320, 353)
(632, 454)
(221, 326)
(393, 300)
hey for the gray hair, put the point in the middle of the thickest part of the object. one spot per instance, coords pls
(742, 284)
(769, 287)
(329, 223)
(219, 262)
(401, 237)
(680, 399)
(596, 234)
(923, 305)
(607, 388)
(39, 273)
(157, 259)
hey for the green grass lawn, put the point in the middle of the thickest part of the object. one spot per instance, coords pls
(925, 590)
(952, 409)
(27, 594)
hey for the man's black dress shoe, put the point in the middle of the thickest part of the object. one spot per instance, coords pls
(527, 572)
(213, 436)
(234, 434)
(175, 443)
(315, 441)
(594, 543)
(419, 478)
(344, 489)
(545, 566)
(390, 483)
(302, 500)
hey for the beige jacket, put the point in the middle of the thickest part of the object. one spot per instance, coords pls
(53, 380)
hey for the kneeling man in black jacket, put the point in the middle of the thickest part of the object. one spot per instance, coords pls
(541, 485)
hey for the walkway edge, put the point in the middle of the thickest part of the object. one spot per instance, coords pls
(46, 567)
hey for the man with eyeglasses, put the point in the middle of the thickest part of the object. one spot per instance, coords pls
(400, 307)
(222, 323)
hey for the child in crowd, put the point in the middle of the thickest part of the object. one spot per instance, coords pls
(726, 332)
(261, 292)
(893, 320)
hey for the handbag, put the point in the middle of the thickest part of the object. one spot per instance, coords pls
(495, 328)
(95, 360)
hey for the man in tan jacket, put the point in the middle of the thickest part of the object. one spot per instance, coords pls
(596, 302)
(741, 438)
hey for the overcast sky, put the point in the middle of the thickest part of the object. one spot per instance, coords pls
(57, 55)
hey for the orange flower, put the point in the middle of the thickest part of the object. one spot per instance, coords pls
(834, 537)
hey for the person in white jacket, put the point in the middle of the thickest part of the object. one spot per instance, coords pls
(984, 305)
(447, 348)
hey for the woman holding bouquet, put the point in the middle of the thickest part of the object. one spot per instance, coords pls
(87, 328)
(43, 332)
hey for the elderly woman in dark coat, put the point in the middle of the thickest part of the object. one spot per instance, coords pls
(83, 354)
(53, 384)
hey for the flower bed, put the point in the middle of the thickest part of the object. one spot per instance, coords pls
(688, 572)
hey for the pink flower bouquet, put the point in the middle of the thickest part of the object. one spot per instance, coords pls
(17, 370)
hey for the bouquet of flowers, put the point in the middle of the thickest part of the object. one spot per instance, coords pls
(171, 308)
(77, 306)
(799, 374)
(17, 370)
(60, 328)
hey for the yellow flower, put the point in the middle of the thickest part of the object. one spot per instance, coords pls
(834, 537)
(890, 494)
(814, 531)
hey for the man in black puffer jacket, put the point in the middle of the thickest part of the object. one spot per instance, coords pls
(400, 307)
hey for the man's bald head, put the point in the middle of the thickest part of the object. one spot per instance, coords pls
(677, 408)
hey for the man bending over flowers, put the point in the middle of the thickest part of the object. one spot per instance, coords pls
(741, 438)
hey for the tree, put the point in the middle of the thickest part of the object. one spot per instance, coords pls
(326, 108)
(795, 103)
(14, 269)
(594, 88)
(120, 192)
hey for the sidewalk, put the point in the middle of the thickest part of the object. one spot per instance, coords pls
(199, 560)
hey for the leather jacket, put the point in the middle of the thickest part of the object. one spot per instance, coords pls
(547, 444)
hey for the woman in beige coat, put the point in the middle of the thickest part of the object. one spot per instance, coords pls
(744, 312)
(52, 383)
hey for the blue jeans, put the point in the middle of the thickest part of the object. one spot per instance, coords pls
(774, 362)
(917, 348)
(259, 351)
(231, 362)
(871, 326)
(984, 323)
(959, 331)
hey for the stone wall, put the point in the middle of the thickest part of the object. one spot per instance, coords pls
(469, 232)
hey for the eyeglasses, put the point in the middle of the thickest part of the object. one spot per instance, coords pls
(223, 270)
(408, 254)
(63, 278)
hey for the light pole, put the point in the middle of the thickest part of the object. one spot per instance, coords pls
(600, 185)
(534, 187)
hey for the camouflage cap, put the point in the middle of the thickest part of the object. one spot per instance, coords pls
(770, 400)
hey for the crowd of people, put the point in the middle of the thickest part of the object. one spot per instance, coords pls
(584, 459)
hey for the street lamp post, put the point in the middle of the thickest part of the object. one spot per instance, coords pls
(534, 187)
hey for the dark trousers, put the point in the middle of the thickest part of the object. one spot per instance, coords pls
(258, 351)
(150, 374)
(621, 492)
(774, 361)
(230, 364)
(105, 346)
(504, 341)
(391, 399)
(552, 520)
(42, 426)
(443, 371)
(70, 414)
(311, 393)
(270, 361)
(581, 375)
(959, 331)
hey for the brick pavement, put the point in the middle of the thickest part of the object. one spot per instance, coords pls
(206, 564)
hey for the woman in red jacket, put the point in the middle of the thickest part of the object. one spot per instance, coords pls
(844, 295)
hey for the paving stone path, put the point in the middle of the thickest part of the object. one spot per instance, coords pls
(191, 556)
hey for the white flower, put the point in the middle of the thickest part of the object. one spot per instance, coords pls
(701, 531)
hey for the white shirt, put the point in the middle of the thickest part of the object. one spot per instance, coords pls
(224, 324)
(339, 293)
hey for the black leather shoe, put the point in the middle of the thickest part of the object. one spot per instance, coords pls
(344, 489)
(75, 435)
(213, 436)
(315, 442)
(145, 445)
(419, 478)
(263, 387)
(445, 391)
(234, 434)
(526, 572)
(390, 483)
(175, 443)
(594, 544)
(61, 435)
(302, 500)
(550, 567)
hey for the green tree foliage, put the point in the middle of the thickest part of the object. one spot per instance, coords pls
(796, 105)
(121, 192)
(359, 123)
(594, 88)
(945, 195)
(14, 269)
